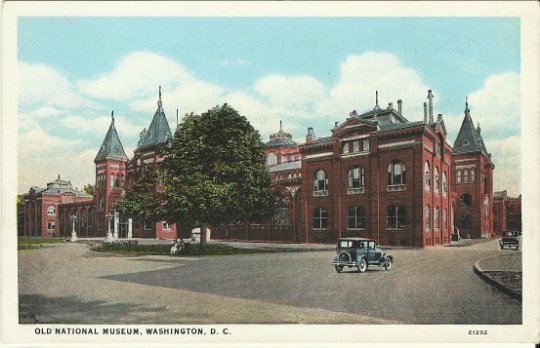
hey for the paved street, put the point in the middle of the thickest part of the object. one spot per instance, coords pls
(69, 284)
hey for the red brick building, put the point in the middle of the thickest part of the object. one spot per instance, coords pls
(50, 211)
(381, 176)
(377, 175)
(506, 213)
(42, 210)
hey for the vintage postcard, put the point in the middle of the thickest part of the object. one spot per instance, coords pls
(268, 172)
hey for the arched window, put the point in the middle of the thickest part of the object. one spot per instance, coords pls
(281, 215)
(271, 159)
(117, 181)
(427, 217)
(465, 175)
(320, 218)
(436, 180)
(465, 200)
(356, 177)
(444, 185)
(51, 210)
(395, 216)
(356, 217)
(396, 173)
(458, 177)
(91, 217)
(427, 176)
(320, 181)
(445, 219)
(436, 216)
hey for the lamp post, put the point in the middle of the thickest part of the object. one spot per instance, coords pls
(73, 233)
(109, 233)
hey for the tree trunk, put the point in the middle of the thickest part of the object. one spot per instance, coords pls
(203, 236)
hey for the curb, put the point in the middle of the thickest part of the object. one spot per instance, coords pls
(480, 272)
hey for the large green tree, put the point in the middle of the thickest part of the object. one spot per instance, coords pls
(212, 174)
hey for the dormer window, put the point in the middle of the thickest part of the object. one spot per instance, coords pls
(465, 142)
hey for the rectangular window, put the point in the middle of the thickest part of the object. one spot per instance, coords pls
(320, 218)
(356, 146)
(147, 225)
(51, 225)
(365, 144)
(166, 225)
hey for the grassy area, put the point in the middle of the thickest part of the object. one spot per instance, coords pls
(163, 249)
(27, 243)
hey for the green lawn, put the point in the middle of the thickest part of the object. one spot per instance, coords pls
(27, 243)
(164, 249)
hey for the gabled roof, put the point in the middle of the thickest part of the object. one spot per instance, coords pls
(111, 146)
(469, 138)
(158, 132)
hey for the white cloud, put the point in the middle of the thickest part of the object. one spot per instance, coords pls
(137, 75)
(506, 155)
(497, 105)
(43, 85)
(78, 167)
(99, 125)
(291, 92)
(362, 75)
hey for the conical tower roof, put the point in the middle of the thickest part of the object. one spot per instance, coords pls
(111, 146)
(469, 138)
(159, 131)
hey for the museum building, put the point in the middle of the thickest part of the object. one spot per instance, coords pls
(378, 175)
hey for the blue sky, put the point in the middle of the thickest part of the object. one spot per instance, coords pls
(306, 71)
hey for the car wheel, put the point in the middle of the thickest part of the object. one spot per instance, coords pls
(388, 263)
(344, 256)
(362, 265)
(339, 268)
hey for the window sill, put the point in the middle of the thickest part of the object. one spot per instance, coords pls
(395, 229)
(356, 229)
(356, 191)
(396, 188)
(320, 193)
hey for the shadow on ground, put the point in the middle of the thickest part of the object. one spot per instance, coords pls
(38, 309)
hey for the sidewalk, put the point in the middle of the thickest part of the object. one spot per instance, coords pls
(502, 271)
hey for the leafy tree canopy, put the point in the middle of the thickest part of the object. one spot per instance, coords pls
(213, 173)
(89, 189)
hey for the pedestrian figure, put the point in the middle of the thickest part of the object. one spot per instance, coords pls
(174, 248)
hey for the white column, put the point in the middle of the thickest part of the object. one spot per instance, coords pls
(115, 226)
(73, 233)
(130, 228)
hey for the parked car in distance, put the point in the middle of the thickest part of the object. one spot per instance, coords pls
(360, 253)
(510, 240)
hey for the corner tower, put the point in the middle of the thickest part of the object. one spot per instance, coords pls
(473, 172)
(147, 155)
(110, 177)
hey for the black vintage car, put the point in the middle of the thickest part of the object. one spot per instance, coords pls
(510, 240)
(360, 253)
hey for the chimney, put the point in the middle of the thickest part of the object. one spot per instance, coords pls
(425, 113)
(399, 106)
(390, 106)
(439, 117)
(310, 135)
(430, 105)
